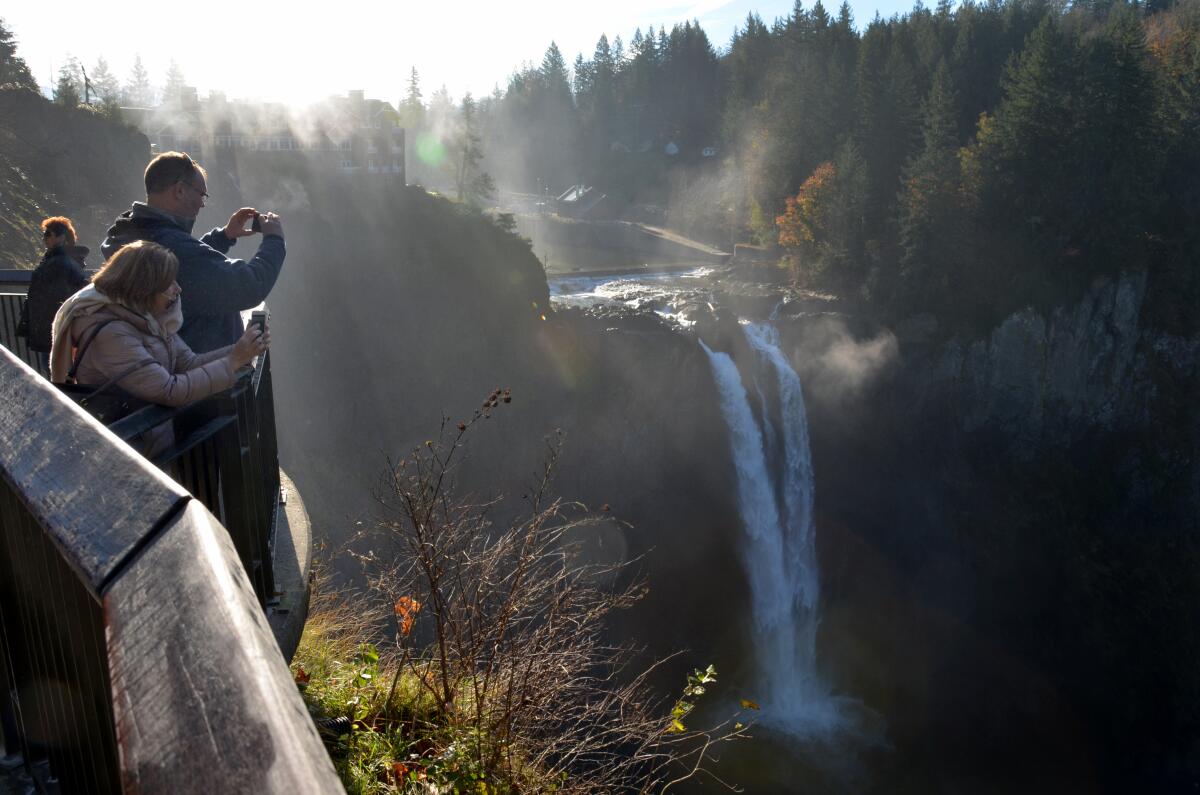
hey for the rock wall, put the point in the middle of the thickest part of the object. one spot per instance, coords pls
(1009, 530)
(1045, 381)
(59, 161)
(396, 309)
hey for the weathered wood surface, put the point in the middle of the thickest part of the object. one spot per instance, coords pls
(203, 700)
(53, 638)
(104, 498)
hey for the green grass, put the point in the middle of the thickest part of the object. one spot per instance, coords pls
(397, 744)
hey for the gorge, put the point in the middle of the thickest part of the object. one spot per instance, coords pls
(970, 498)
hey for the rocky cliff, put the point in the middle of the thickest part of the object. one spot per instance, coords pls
(396, 308)
(1009, 531)
(60, 161)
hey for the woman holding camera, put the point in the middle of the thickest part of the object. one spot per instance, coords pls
(120, 331)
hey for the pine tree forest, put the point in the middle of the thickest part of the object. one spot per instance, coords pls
(963, 161)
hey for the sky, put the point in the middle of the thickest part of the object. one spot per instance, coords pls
(307, 51)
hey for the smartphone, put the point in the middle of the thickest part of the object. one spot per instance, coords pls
(256, 224)
(259, 318)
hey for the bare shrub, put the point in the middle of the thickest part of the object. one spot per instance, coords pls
(502, 627)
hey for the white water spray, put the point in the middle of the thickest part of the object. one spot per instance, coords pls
(776, 506)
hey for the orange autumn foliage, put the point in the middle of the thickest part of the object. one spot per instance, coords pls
(406, 612)
(803, 217)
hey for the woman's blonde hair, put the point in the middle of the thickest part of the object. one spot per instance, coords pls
(136, 273)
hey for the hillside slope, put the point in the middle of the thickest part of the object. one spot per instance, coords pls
(59, 161)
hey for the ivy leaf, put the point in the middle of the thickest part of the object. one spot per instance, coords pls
(748, 704)
(677, 727)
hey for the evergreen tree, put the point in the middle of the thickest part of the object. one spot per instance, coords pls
(13, 70)
(551, 147)
(1118, 146)
(138, 92)
(931, 212)
(745, 69)
(470, 180)
(888, 121)
(412, 109)
(104, 82)
(68, 92)
(581, 76)
(441, 107)
(175, 84)
(1021, 164)
(556, 80)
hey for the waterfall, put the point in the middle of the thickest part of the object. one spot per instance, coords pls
(775, 499)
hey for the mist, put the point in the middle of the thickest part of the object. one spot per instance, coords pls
(871, 346)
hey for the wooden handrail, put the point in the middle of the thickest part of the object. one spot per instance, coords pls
(119, 586)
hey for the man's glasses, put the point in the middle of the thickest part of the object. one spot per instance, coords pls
(203, 195)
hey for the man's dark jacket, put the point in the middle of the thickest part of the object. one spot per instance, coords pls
(215, 288)
(56, 278)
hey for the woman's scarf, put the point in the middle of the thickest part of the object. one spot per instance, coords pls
(88, 301)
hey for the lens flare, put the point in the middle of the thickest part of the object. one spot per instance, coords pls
(430, 149)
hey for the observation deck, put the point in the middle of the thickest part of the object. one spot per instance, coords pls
(148, 608)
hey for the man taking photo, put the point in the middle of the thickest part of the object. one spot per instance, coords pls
(215, 288)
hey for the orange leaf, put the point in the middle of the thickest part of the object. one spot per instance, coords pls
(406, 609)
(302, 676)
(400, 770)
(748, 704)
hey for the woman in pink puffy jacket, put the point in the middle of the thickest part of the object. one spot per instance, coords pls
(120, 331)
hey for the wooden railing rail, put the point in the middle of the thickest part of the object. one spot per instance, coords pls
(135, 649)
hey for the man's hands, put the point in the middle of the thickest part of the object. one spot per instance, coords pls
(237, 223)
(270, 223)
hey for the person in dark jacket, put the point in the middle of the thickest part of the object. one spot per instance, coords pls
(57, 277)
(218, 288)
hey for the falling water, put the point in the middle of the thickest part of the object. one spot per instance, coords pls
(775, 498)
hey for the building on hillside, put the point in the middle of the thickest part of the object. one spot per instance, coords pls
(351, 134)
(581, 201)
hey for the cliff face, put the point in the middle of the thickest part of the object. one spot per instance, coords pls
(395, 309)
(59, 161)
(1046, 381)
(1009, 528)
